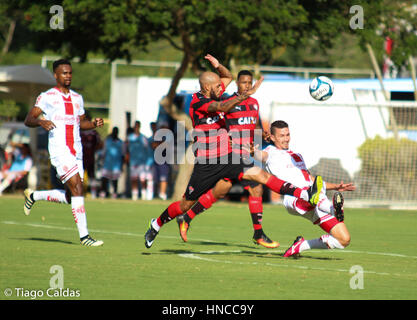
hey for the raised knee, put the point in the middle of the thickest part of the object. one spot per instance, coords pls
(344, 240)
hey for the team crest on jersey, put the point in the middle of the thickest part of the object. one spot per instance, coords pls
(190, 189)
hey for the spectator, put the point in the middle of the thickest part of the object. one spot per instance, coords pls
(113, 161)
(21, 164)
(91, 142)
(161, 170)
(140, 159)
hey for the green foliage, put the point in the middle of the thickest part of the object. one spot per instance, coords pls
(8, 109)
(394, 19)
(248, 31)
(389, 168)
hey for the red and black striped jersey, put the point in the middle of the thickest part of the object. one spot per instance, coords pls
(210, 135)
(241, 123)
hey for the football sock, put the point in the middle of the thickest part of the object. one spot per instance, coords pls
(149, 190)
(256, 211)
(326, 205)
(56, 195)
(204, 203)
(284, 187)
(170, 213)
(135, 193)
(332, 242)
(326, 241)
(4, 185)
(78, 211)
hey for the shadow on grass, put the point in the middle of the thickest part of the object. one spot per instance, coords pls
(46, 240)
(239, 253)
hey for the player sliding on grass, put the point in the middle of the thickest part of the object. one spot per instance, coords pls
(60, 111)
(285, 164)
(213, 153)
(241, 122)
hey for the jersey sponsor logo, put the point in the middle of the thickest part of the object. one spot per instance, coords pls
(211, 120)
(246, 120)
(67, 119)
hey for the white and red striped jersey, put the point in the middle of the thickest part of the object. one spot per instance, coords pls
(64, 110)
(287, 166)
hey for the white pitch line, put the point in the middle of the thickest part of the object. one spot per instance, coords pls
(197, 257)
(46, 226)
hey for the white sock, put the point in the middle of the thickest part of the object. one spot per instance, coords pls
(313, 244)
(55, 195)
(4, 185)
(332, 242)
(135, 193)
(155, 225)
(304, 195)
(149, 190)
(78, 211)
(326, 205)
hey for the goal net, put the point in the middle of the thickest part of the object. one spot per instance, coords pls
(373, 145)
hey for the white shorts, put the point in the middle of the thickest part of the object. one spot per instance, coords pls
(67, 167)
(142, 172)
(299, 207)
(111, 174)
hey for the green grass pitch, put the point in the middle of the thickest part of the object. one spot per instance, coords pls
(219, 262)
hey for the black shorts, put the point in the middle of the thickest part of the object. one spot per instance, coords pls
(205, 177)
(247, 163)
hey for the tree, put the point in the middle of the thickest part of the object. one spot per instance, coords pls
(248, 31)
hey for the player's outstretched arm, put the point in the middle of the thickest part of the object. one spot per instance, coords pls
(254, 151)
(226, 106)
(340, 186)
(225, 75)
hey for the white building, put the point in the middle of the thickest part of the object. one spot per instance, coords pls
(333, 129)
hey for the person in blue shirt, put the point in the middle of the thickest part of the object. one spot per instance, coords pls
(140, 162)
(113, 162)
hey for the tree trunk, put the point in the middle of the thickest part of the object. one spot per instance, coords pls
(187, 164)
(8, 39)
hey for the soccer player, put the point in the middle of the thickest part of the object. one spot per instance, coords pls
(60, 111)
(288, 165)
(241, 122)
(213, 152)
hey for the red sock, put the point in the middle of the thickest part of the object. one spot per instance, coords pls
(256, 210)
(283, 187)
(204, 203)
(170, 213)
